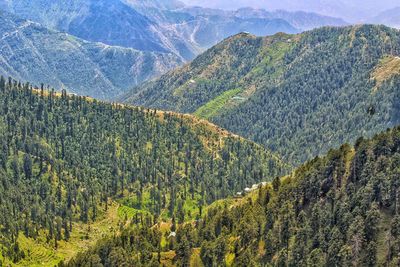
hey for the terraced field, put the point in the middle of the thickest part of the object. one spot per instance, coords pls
(40, 253)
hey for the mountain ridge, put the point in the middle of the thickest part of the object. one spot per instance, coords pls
(162, 35)
(388, 17)
(33, 53)
(243, 85)
(152, 26)
(70, 162)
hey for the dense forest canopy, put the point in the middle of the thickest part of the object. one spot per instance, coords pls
(63, 157)
(89, 183)
(299, 95)
(339, 210)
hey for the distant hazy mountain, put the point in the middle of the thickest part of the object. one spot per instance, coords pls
(157, 4)
(299, 19)
(111, 22)
(350, 10)
(30, 52)
(210, 28)
(204, 27)
(389, 17)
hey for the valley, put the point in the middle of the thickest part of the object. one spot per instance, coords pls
(157, 133)
(30, 52)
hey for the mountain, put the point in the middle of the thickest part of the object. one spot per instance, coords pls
(74, 170)
(140, 40)
(350, 10)
(389, 17)
(108, 21)
(157, 26)
(155, 4)
(298, 19)
(207, 29)
(298, 95)
(30, 52)
(137, 45)
(142, 25)
(342, 209)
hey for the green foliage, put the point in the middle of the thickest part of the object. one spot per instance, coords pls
(63, 157)
(301, 94)
(324, 96)
(215, 106)
(205, 79)
(328, 212)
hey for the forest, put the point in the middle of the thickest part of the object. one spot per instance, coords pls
(298, 95)
(66, 158)
(156, 133)
(342, 209)
(89, 183)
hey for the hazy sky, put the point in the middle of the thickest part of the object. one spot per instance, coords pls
(348, 9)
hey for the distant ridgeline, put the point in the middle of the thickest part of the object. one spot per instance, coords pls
(103, 48)
(298, 95)
(31, 52)
(339, 210)
(63, 157)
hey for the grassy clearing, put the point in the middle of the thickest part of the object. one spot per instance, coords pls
(38, 253)
(195, 260)
(388, 67)
(142, 204)
(215, 106)
(191, 208)
(41, 253)
(191, 85)
(167, 258)
(127, 213)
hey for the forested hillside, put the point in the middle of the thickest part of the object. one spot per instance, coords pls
(65, 160)
(298, 95)
(339, 210)
(207, 77)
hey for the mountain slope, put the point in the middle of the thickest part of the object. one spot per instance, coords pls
(339, 210)
(208, 30)
(158, 26)
(108, 21)
(215, 71)
(206, 27)
(389, 17)
(296, 94)
(67, 160)
(30, 52)
(298, 19)
(351, 10)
